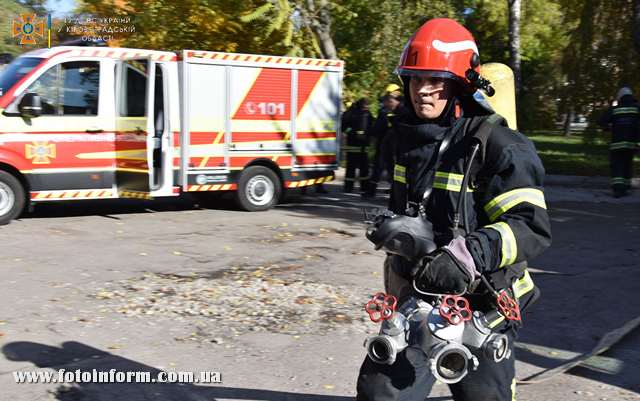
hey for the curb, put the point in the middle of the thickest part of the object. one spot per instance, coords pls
(578, 181)
(552, 180)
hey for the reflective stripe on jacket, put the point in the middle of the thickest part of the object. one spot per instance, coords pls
(506, 210)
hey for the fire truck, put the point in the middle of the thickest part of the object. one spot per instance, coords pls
(99, 122)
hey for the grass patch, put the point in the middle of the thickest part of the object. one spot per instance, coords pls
(571, 156)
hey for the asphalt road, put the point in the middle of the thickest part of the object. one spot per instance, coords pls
(272, 301)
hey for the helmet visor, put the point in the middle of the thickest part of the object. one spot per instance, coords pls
(409, 72)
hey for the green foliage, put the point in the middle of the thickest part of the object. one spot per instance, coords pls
(571, 156)
(599, 57)
(575, 53)
(543, 37)
(370, 36)
(176, 25)
(283, 27)
(260, 12)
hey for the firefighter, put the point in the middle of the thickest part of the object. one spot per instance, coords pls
(381, 131)
(355, 124)
(623, 120)
(446, 140)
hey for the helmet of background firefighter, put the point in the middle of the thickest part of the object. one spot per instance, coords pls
(624, 91)
(392, 90)
(443, 48)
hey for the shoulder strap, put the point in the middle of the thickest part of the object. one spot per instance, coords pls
(444, 145)
(484, 130)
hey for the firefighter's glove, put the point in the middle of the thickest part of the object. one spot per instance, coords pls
(448, 270)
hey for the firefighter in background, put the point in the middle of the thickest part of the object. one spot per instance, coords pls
(355, 124)
(381, 131)
(623, 119)
(448, 147)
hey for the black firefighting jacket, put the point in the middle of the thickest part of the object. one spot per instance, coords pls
(505, 207)
(381, 126)
(355, 124)
(624, 121)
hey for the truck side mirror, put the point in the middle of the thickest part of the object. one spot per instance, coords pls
(30, 105)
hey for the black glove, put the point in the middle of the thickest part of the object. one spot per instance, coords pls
(441, 273)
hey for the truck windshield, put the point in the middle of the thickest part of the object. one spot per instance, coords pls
(16, 70)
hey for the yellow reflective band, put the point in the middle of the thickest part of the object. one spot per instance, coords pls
(523, 285)
(626, 110)
(623, 145)
(501, 203)
(496, 322)
(449, 181)
(353, 149)
(509, 246)
(620, 180)
(513, 389)
(400, 173)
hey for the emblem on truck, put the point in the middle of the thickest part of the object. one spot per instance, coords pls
(40, 152)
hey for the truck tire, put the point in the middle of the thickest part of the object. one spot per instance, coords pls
(259, 188)
(12, 197)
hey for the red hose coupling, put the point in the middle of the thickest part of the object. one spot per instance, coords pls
(455, 309)
(381, 307)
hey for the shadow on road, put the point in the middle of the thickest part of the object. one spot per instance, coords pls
(334, 205)
(595, 252)
(74, 355)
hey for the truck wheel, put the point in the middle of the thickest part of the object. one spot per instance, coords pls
(259, 189)
(12, 197)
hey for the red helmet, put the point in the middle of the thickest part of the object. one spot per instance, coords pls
(441, 47)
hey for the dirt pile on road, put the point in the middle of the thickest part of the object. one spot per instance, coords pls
(236, 301)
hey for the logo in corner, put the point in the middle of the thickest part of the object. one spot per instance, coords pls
(40, 152)
(27, 27)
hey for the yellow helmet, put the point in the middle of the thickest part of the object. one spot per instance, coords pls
(391, 88)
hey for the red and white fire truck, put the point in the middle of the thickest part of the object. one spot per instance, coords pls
(99, 122)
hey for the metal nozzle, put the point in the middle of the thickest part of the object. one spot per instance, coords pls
(450, 363)
(382, 349)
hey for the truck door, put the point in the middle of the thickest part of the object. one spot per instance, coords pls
(136, 136)
(68, 150)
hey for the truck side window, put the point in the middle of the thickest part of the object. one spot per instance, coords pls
(69, 89)
(81, 83)
(47, 88)
(134, 82)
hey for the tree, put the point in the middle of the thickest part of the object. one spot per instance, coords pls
(560, 55)
(371, 38)
(38, 6)
(10, 10)
(596, 61)
(636, 24)
(514, 42)
(543, 36)
(304, 23)
(177, 25)
(319, 19)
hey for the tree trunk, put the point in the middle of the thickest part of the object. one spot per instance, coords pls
(514, 41)
(567, 122)
(321, 27)
(636, 25)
